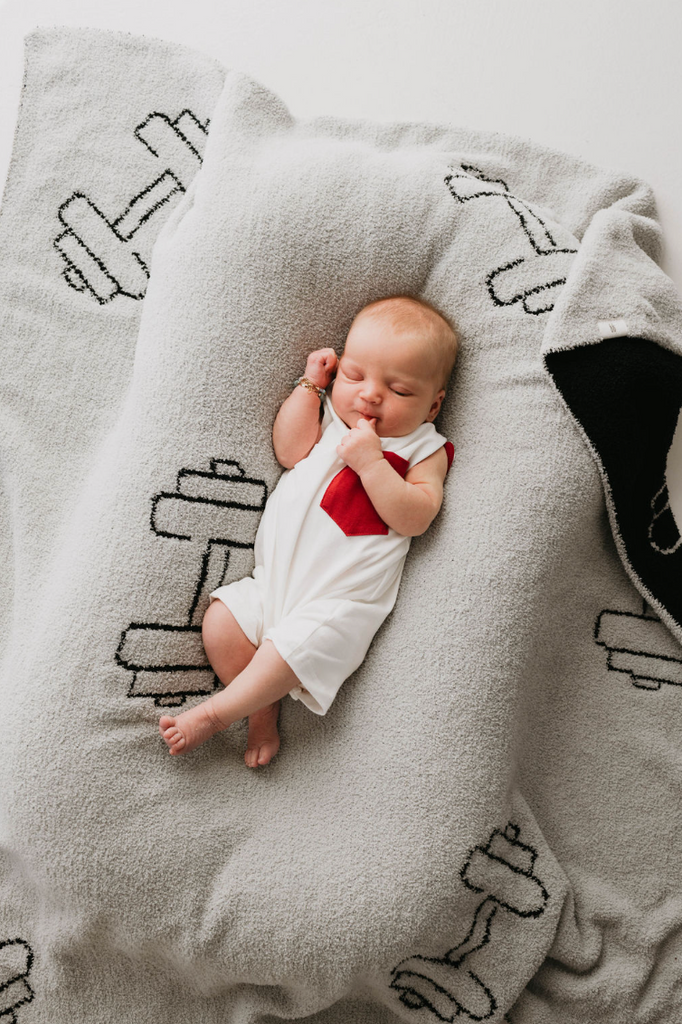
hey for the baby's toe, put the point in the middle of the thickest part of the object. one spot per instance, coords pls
(267, 752)
(174, 739)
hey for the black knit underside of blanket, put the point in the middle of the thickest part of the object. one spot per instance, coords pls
(626, 393)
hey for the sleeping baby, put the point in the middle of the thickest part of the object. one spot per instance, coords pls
(365, 471)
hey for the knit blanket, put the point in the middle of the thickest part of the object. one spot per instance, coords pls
(485, 824)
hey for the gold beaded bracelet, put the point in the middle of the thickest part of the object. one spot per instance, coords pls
(310, 385)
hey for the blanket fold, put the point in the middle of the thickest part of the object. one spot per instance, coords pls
(482, 825)
(622, 383)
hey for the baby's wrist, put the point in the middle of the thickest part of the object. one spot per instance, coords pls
(309, 384)
(368, 467)
(318, 379)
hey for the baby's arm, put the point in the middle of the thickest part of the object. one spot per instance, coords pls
(297, 425)
(408, 506)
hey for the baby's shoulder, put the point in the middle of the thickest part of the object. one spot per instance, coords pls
(431, 469)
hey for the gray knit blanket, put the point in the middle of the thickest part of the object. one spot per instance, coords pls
(485, 826)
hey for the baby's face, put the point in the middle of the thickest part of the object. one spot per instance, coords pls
(386, 375)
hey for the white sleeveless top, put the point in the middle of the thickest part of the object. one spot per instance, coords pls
(304, 553)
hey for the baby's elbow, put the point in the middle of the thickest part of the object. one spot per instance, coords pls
(413, 529)
(420, 530)
(426, 521)
(284, 453)
(289, 458)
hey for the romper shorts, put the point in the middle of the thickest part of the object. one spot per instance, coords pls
(323, 641)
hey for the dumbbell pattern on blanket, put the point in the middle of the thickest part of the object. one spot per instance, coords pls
(472, 830)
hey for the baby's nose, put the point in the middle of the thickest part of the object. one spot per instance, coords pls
(370, 392)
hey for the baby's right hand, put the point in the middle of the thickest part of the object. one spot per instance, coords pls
(320, 366)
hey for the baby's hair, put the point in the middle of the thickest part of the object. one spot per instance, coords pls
(406, 311)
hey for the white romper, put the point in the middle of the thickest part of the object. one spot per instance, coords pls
(318, 593)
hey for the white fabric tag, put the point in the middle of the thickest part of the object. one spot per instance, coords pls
(613, 328)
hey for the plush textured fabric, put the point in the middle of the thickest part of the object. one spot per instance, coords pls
(485, 825)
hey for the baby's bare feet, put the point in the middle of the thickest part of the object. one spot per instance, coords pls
(189, 729)
(263, 741)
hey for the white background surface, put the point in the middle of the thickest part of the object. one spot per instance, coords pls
(598, 78)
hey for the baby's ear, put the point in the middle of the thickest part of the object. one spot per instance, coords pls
(435, 406)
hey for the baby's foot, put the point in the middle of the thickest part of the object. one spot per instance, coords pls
(263, 741)
(189, 729)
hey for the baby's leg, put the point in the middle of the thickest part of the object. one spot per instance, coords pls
(227, 647)
(264, 681)
(229, 651)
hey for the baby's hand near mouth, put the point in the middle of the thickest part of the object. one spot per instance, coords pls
(361, 446)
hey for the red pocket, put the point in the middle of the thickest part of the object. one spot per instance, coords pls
(348, 504)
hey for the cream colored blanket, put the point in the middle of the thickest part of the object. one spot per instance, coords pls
(485, 825)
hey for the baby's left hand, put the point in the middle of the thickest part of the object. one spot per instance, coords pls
(361, 447)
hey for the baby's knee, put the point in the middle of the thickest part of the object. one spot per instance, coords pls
(219, 628)
(215, 621)
(227, 647)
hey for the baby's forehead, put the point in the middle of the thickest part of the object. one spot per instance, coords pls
(412, 360)
(384, 350)
(379, 332)
(384, 339)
